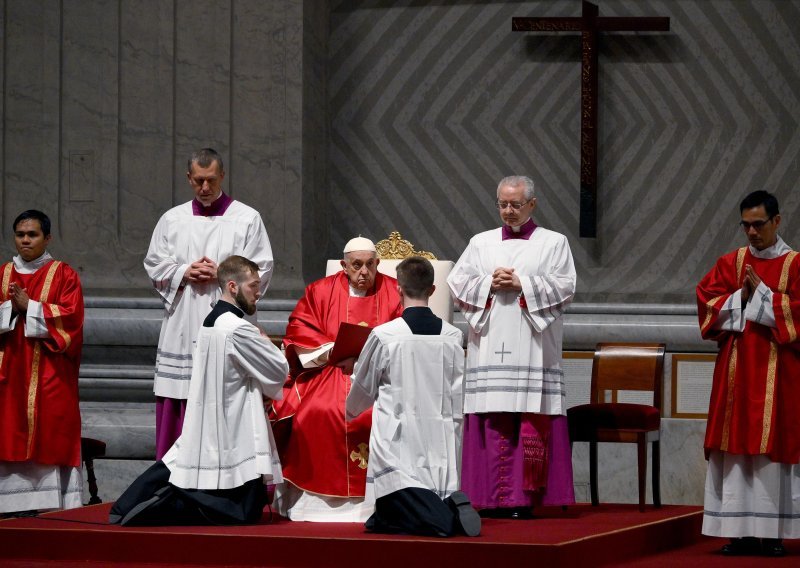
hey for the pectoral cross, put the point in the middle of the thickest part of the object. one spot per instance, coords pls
(502, 352)
(589, 24)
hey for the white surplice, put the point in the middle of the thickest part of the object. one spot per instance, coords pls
(179, 239)
(415, 382)
(226, 439)
(514, 354)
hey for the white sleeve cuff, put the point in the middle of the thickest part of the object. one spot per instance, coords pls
(34, 322)
(311, 358)
(8, 319)
(759, 308)
(731, 316)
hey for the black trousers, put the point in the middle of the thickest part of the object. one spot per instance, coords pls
(414, 510)
(152, 500)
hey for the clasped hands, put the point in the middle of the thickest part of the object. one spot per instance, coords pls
(505, 279)
(751, 282)
(19, 298)
(201, 271)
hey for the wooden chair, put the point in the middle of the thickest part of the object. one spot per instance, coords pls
(623, 367)
(92, 449)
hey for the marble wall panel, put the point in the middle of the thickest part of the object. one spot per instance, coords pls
(149, 173)
(89, 131)
(32, 75)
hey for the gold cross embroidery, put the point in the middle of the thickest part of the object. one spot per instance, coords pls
(361, 456)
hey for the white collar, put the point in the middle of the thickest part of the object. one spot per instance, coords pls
(355, 292)
(778, 249)
(25, 267)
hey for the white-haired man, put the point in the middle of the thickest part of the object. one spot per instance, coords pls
(325, 458)
(512, 285)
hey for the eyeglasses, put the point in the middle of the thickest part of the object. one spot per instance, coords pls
(513, 204)
(757, 225)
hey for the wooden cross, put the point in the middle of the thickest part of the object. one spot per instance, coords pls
(502, 352)
(589, 24)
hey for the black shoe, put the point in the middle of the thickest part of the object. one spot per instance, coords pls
(520, 513)
(467, 518)
(772, 547)
(745, 546)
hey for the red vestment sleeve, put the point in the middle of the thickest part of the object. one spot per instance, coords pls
(714, 290)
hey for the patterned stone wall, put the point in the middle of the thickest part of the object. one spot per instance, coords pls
(433, 102)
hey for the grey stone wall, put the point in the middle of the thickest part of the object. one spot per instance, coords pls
(104, 101)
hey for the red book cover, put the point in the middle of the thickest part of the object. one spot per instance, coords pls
(350, 340)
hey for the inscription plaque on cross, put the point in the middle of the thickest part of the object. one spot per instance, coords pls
(589, 24)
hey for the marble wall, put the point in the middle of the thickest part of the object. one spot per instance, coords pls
(104, 101)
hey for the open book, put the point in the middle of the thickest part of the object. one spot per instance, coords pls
(350, 339)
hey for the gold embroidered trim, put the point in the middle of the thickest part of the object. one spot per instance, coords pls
(740, 263)
(769, 396)
(32, 388)
(48, 281)
(787, 264)
(6, 278)
(726, 425)
(59, 325)
(709, 312)
(4, 291)
(782, 285)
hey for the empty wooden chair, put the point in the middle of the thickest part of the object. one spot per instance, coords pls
(623, 367)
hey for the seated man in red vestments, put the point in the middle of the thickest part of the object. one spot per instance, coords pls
(324, 458)
(749, 303)
(41, 335)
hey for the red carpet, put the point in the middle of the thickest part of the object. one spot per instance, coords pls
(581, 536)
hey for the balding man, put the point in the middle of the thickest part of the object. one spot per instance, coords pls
(325, 458)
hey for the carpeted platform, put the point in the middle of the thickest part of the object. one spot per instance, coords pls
(600, 535)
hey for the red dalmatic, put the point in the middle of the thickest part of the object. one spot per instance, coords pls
(322, 453)
(41, 420)
(756, 389)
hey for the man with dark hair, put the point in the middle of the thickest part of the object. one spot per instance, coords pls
(749, 304)
(412, 369)
(216, 470)
(41, 335)
(181, 262)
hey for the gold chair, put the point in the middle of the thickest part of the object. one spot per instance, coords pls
(623, 367)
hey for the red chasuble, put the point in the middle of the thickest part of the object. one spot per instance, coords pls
(39, 377)
(324, 454)
(756, 392)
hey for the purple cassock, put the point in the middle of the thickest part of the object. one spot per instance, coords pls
(496, 463)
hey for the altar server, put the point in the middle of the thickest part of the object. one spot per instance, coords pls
(412, 369)
(216, 470)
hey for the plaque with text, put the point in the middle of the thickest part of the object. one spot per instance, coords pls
(692, 376)
(577, 367)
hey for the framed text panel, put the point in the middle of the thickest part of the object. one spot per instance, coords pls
(577, 367)
(692, 376)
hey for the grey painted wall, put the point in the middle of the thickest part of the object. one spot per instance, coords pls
(347, 117)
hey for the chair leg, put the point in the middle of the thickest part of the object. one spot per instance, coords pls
(641, 446)
(656, 473)
(593, 473)
(93, 498)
